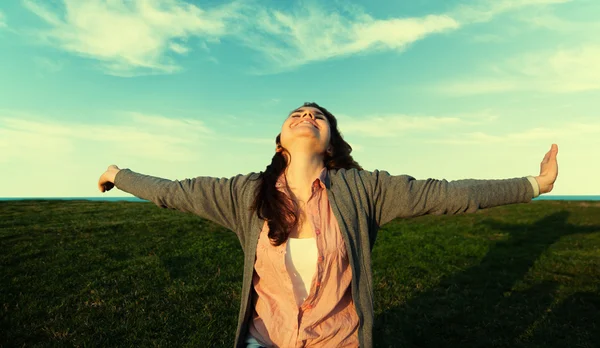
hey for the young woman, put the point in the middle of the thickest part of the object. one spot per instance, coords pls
(307, 225)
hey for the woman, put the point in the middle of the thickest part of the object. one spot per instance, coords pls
(307, 225)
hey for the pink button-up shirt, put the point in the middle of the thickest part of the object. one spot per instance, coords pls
(327, 318)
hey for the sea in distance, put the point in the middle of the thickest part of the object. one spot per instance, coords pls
(135, 199)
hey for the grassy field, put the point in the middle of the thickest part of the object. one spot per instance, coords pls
(79, 273)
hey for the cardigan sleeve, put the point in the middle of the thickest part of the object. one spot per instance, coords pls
(535, 185)
(215, 199)
(402, 196)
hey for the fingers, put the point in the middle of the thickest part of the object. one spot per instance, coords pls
(551, 153)
(106, 187)
(546, 157)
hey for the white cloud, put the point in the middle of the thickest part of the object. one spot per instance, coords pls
(133, 36)
(565, 70)
(146, 36)
(139, 36)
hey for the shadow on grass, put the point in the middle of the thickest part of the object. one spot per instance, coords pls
(179, 266)
(480, 307)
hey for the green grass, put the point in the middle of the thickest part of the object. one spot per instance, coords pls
(79, 273)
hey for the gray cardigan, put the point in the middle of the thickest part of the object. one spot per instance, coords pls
(362, 201)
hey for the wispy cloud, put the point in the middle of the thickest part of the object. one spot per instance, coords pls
(48, 65)
(565, 70)
(2, 20)
(552, 22)
(477, 86)
(548, 19)
(488, 38)
(247, 140)
(168, 125)
(131, 37)
(383, 126)
(27, 137)
(271, 102)
(486, 10)
(565, 132)
(310, 34)
(20, 144)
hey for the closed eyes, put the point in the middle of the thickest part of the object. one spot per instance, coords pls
(318, 116)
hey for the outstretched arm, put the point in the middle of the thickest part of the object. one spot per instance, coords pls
(220, 200)
(403, 196)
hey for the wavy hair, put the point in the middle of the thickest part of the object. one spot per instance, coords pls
(273, 205)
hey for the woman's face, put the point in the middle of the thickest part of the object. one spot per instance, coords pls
(306, 127)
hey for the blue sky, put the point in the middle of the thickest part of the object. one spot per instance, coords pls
(434, 89)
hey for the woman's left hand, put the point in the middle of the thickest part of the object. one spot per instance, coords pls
(548, 170)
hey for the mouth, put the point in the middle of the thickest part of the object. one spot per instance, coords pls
(306, 122)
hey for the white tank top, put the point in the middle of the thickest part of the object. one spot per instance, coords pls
(301, 263)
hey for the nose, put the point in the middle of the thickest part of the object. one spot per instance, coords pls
(310, 114)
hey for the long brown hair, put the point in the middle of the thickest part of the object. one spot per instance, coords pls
(272, 205)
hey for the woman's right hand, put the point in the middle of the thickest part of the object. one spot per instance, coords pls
(107, 179)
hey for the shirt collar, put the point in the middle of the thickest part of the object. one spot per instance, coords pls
(322, 180)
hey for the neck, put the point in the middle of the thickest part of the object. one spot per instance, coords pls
(302, 171)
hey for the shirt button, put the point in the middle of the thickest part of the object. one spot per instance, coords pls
(318, 284)
(320, 258)
(309, 307)
(318, 231)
